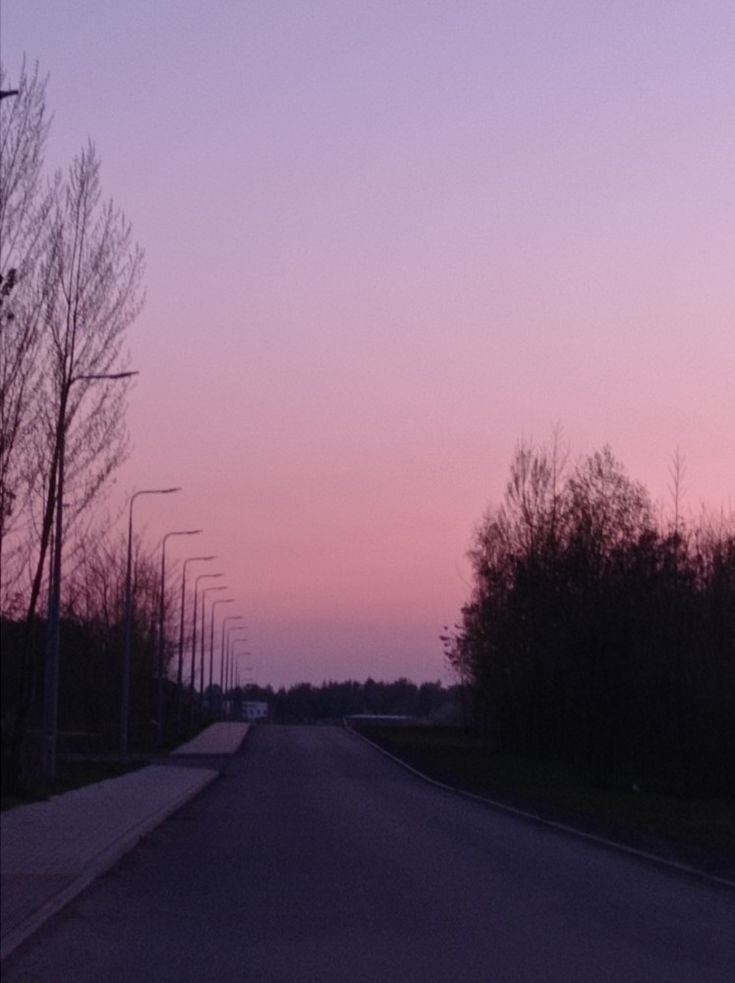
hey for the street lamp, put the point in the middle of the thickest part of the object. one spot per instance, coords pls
(192, 681)
(226, 685)
(125, 695)
(180, 669)
(236, 673)
(159, 701)
(201, 661)
(234, 655)
(232, 617)
(228, 658)
(236, 666)
(221, 600)
(51, 674)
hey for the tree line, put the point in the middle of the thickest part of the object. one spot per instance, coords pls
(92, 627)
(332, 701)
(599, 633)
(70, 287)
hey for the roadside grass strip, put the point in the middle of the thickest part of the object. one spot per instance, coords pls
(424, 751)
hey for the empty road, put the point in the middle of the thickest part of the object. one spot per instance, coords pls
(314, 858)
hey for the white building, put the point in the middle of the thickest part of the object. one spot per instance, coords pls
(253, 710)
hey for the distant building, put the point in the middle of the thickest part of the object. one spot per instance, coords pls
(253, 710)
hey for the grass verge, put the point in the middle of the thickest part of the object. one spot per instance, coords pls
(70, 774)
(697, 832)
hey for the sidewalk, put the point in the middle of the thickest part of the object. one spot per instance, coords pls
(217, 739)
(50, 851)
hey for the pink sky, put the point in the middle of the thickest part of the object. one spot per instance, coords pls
(385, 241)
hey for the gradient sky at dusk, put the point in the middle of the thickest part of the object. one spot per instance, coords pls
(386, 240)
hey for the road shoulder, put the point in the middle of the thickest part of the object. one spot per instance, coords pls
(715, 868)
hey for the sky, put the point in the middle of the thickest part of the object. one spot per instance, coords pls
(384, 242)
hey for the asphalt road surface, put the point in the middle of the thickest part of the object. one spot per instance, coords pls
(314, 858)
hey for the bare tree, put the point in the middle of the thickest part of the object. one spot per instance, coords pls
(677, 487)
(91, 275)
(89, 281)
(24, 209)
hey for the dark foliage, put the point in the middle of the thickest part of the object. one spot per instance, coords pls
(331, 701)
(595, 636)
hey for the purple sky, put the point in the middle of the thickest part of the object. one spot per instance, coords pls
(386, 240)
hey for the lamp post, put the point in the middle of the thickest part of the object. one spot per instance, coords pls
(221, 600)
(228, 654)
(180, 669)
(53, 632)
(125, 695)
(236, 667)
(202, 660)
(235, 671)
(192, 681)
(232, 617)
(235, 655)
(161, 640)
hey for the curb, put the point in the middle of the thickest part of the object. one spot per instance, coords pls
(189, 748)
(681, 868)
(100, 864)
